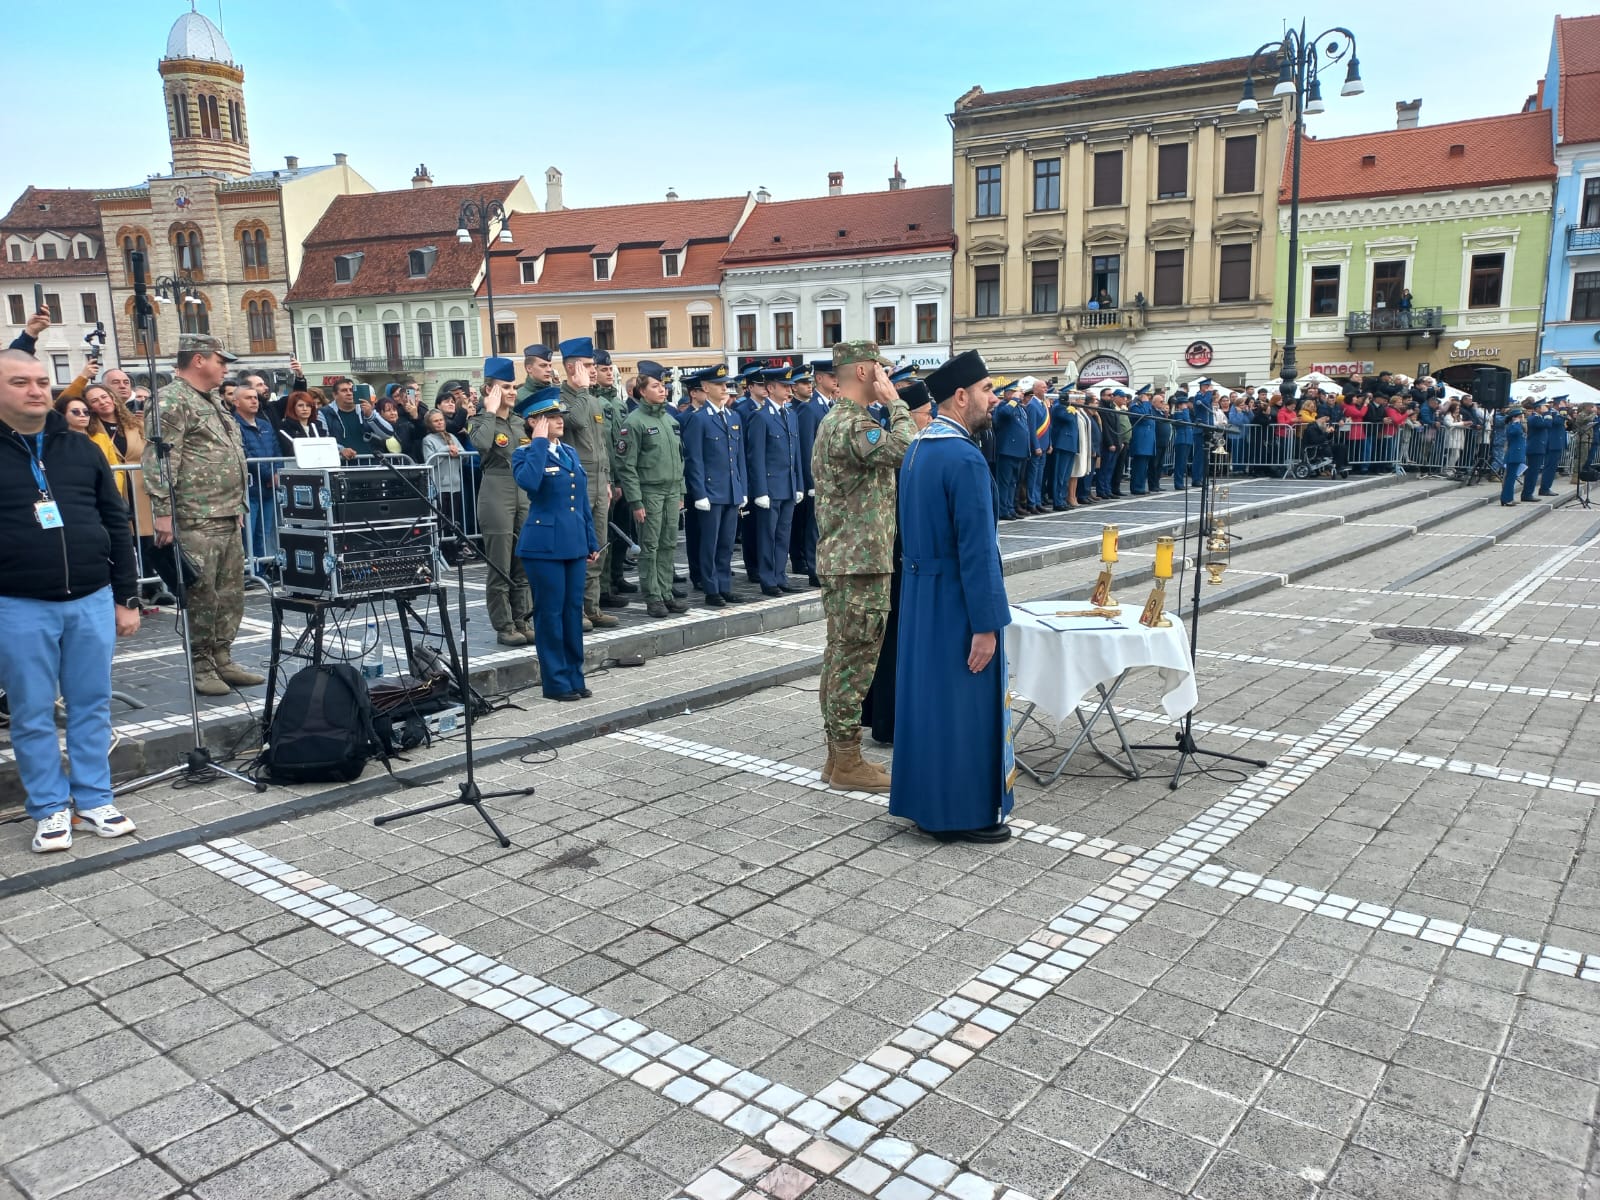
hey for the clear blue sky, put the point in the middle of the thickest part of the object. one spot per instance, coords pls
(715, 97)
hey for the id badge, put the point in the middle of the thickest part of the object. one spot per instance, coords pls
(47, 514)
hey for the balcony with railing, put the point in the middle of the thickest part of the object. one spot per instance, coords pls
(1130, 319)
(1396, 322)
(1583, 237)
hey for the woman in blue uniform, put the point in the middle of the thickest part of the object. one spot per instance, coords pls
(557, 543)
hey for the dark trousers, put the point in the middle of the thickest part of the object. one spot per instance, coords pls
(1036, 480)
(1531, 480)
(1103, 475)
(714, 537)
(772, 542)
(691, 544)
(1061, 475)
(803, 537)
(621, 517)
(1141, 473)
(1508, 483)
(558, 621)
(1547, 479)
(1181, 453)
(748, 540)
(1010, 475)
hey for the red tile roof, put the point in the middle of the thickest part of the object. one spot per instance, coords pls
(1218, 70)
(638, 232)
(66, 211)
(1578, 55)
(1495, 150)
(385, 227)
(837, 226)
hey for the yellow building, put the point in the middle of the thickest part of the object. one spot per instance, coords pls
(1125, 223)
(642, 279)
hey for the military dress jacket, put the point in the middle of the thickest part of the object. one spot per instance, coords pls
(772, 453)
(1012, 437)
(560, 525)
(713, 457)
(855, 463)
(207, 456)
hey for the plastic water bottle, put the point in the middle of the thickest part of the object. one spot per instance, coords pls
(372, 661)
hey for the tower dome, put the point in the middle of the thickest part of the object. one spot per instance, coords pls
(194, 36)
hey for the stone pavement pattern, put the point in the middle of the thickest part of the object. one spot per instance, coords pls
(1365, 971)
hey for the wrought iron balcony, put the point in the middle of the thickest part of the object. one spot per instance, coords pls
(1402, 322)
(1583, 237)
(392, 365)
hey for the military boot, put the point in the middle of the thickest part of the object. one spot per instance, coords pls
(600, 620)
(206, 680)
(851, 772)
(231, 672)
(827, 767)
(657, 608)
(678, 604)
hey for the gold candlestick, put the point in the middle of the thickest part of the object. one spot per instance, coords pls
(1101, 596)
(1153, 615)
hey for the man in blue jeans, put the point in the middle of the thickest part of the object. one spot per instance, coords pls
(68, 590)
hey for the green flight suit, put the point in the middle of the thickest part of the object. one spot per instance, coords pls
(502, 512)
(650, 472)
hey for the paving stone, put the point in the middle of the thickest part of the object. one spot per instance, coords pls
(215, 1146)
(138, 1084)
(65, 1165)
(42, 1124)
(1284, 1144)
(620, 1113)
(175, 1116)
(138, 1180)
(550, 1156)
(1160, 1155)
(435, 1091)
(1196, 1111)
(296, 1107)
(488, 1123)
(279, 1171)
(414, 1167)
(354, 1134)
(1028, 1162)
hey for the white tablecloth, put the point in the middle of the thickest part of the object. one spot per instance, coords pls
(1058, 660)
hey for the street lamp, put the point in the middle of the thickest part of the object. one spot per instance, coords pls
(1300, 60)
(490, 220)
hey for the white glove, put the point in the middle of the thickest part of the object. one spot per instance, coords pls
(763, 501)
(743, 500)
(703, 504)
(811, 492)
(799, 496)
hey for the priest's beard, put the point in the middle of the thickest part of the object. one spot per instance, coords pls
(976, 422)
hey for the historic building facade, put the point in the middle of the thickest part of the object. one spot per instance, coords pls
(804, 274)
(1422, 249)
(234, 234)
(51, 240)
(1569, 94)
(385, 290)
(1123, 222)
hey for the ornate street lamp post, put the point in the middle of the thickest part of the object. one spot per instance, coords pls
(1300, 60)
(482, 216)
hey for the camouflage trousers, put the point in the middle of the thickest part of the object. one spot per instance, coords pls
(857, 608)
(216, 600)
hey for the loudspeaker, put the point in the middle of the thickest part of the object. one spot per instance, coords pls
(1491, 387)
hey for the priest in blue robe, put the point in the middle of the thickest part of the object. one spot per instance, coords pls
(953, 761)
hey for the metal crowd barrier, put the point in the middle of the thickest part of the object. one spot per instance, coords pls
(1362, 448)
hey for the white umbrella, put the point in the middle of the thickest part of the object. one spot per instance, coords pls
(1069, 373)
(1552, 382)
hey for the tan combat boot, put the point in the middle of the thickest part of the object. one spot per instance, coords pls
(827, 767)
(231, 672)
(600, 620)
(851, 772)
(206, 680)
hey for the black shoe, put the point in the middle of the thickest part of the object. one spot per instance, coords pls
(585, 693)
(566, 697)
(1009, 517)
(679, 591)
(789, 591)
(678, 604)
(727, 598)
(986, 836)
(657, 608)
(607, 600)
(771, 591)
(623, 587)
(715, 600)
(813, 580)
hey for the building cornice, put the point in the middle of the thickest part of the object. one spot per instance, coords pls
(1377, 212)
(813, 266)
(503, 299)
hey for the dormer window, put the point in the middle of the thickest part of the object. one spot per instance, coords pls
(602, 268)
(47, 251)
(83, 250)
(345, 267)
(17, 252)
(532, 268)
(671, 264)
(420, 262)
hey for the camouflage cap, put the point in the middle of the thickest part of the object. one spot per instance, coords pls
(204, 343)
(846, 353)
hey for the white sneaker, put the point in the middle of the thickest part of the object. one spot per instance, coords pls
(106, 821)
(54, 832)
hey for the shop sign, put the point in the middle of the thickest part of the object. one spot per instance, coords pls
(1335, 369)
(1476, 352)
(1102, 369)
(1198, 354)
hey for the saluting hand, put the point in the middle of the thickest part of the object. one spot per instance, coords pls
(541, 428)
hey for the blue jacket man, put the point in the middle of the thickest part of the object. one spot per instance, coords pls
(1142, 445)
(1538, 443)
(808, 413)
(1184, 438)
(1516, 454)
(772, 456)
(1013, 444)
(716, 484)
(1555, 444)
(1063, 451)
(558, 541)
(1204, 406)
(1039, 430)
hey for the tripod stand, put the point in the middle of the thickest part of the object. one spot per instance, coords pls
(198, 761)
(468, 792)
(1189, 750)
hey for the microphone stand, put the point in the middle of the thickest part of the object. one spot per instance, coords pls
(1209, 442)
(198, 763)
(468, 792)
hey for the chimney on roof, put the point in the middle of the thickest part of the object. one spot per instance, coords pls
(422, 179)
(552, 190)
(762, 195)
(1407, 113)
(897, 181)
(835, 183)
(672, 193)
(292, 161)
(340, 160)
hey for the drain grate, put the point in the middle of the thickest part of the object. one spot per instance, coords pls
(1416, 635)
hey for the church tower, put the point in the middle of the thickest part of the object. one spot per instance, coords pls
(204, 100)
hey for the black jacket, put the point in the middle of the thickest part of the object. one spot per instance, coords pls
(94, 546)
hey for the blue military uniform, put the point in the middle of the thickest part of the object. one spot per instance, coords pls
(716, 483)
(1142, 445)
(1039, 430)
(1555, 445)
(1538, 443)
(555, 545)
(746, 406)
(1203, 400)
(1184, 437)
(1516, 455)
(808, 416)
(772, 456)
(1013, 443)
(1063, 450)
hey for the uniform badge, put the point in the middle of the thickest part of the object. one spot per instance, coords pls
(873, 436)
(599, 418)
(501, 439)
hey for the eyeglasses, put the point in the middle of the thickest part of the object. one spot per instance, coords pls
(77, 412)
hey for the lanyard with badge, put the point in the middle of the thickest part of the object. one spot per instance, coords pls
(45, 511)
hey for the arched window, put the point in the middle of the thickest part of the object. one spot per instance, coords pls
(180, 114)
(260, 320)
(236, 121)
(194, 314)
(187, 250)
(132, 240)
(252, 238)
(207, 129)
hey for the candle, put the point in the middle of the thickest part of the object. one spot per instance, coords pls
(1164, 557)
(1108, 544)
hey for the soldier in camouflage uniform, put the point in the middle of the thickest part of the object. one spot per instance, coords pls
(496, 432)
(650, 470)
(854, 466)
(593, 436)
(206, 497)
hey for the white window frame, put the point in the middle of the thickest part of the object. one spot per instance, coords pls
(679, 255)
(1489, 241)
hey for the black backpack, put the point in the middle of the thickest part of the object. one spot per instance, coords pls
(322, 729)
